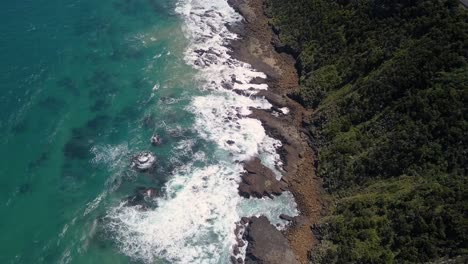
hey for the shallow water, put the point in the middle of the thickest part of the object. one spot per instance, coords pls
(83, 86)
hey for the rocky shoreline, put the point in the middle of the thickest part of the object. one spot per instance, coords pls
(258, 46)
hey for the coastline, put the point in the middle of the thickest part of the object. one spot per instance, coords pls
(255, 46)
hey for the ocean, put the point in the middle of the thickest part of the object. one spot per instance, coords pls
(83, 87)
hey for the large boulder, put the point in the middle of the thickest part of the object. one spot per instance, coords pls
(144, 161)
(259, 181)
(267, 245)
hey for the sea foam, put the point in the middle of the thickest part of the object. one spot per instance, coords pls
(195, 219)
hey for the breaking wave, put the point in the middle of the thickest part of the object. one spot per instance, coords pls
(194, 221)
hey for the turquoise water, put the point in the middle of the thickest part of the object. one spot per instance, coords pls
(83, 86)
(77, 76)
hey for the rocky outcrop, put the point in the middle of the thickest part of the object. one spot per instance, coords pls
(255, 47)
(266, 244)
(259, 181)
(144, 161)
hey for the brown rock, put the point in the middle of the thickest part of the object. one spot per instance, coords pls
(267, 244)
(259, 46)
(259, 181)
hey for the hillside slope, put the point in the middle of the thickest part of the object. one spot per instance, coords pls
(388, 80)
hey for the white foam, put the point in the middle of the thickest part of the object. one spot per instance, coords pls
(184, 148)
(284, 110)
(206, 25)
(192, 224)
(221, 118)
(283, 204)
(195, 220)
(222, 115)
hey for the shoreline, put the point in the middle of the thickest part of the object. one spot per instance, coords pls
(255, 46)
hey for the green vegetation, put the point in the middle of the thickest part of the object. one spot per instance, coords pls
(389, 82)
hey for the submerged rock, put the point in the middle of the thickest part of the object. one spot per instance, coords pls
(156, 140)
(148, 192)
(143, 196)
(148, 121)
(144, 161)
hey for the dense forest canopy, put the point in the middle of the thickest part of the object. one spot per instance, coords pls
(389, 82)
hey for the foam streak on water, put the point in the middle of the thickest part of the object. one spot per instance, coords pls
(195, 220)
